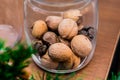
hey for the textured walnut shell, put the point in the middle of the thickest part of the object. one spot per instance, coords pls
(53, 22)
(68, 28)
(47, 62)
(81, 45)
(72, 14)
(39, 28)
(59, 52)
(50, 37)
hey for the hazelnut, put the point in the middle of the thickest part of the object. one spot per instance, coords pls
(72, 14)
(47, 62)
(76, 61)
(59, 52)
(53, 22)
(50, 37)
(40, 47)
(39, 28)
(37, 43)
(88, 31)
(81, 45)
(63, 41)
(68, 28)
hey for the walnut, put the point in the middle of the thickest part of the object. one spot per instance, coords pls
(81, 45)
(39, 28)
(68, 28)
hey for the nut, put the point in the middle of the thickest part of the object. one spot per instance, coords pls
(50, 37)
(80, 20)
(39, 28)
(47, 62)
(36, 44)
(59, 52)
(64, 41)
(76, 61)
(40, 47)
(81, 45)
(66, 64)
(88, 31)
(53, 22)
(68, 28)
(71, 63)
(80, 27)
(72, 14)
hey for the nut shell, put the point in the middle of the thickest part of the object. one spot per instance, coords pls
(72, 14)
(39, 28)
(53, 22)
(50, 37)
(80, 27)
(66, 64)
(68, 28)
(47, 62)
(81, 45)
(76, 61)
(40, 47)
(64, 41)
(59, 52)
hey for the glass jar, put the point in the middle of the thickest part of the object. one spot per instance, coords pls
(10, 22)
(69, 25)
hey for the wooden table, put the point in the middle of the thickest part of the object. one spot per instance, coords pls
(107, 38)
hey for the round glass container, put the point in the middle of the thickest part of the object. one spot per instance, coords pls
(10, 22)
(87, 18)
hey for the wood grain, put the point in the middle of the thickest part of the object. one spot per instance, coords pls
(107, 38)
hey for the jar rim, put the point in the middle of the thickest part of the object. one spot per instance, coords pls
(36, 5)
(61, 4)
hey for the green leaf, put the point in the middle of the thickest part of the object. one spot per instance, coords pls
(57, 77)
(14, 60)
(49, 76)
(31, 78)
(2, 44)
(118, 78)
(4, 57)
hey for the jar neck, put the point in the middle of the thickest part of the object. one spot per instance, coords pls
(60, 2)
(59, 5)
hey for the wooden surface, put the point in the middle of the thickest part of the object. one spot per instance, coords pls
(107, 38)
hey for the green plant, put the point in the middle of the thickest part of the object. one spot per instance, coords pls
(14, 60)
(114, 76)
(58, 76)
